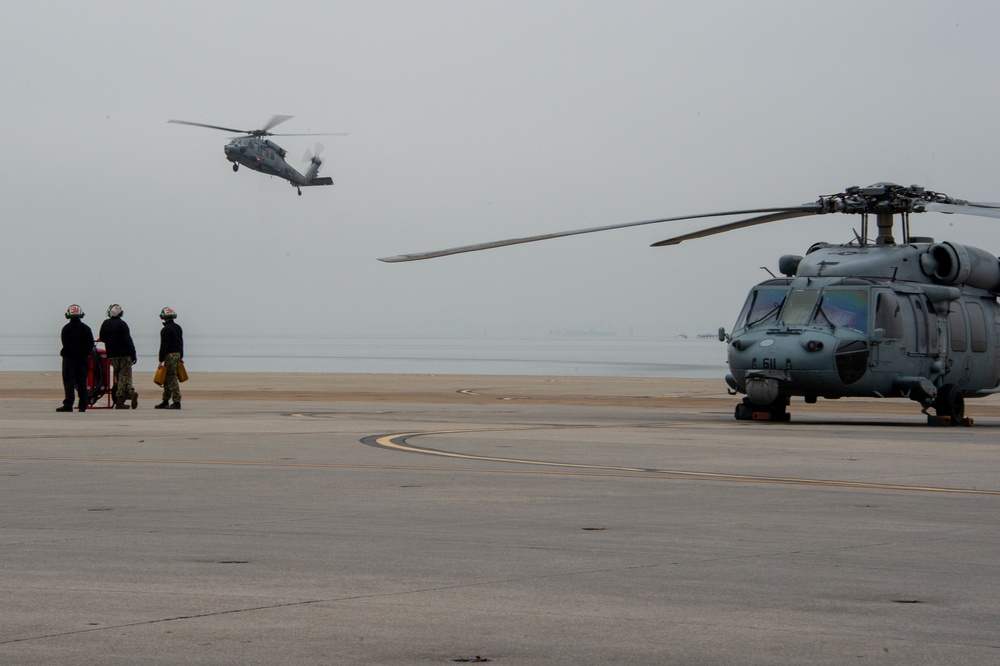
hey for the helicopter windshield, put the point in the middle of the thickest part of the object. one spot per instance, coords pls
(843, 308)
(800, 306)
(762, 307)
(806, 307)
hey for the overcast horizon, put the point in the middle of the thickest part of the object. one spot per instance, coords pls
(466, 122)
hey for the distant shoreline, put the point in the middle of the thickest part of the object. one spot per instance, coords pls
(576, 356)
(390, 387)
(643, 392)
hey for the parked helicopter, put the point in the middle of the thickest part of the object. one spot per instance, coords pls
(255, 152)
(912, 318)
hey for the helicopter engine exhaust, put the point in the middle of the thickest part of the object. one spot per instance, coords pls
(952, 263)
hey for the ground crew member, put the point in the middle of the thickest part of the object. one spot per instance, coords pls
(171, 355)
(120, 350)
(77, 345)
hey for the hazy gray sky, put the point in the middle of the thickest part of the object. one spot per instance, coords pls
(468, 121)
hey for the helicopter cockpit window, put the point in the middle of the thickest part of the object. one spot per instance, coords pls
(888, 316)
(843, 308)
(763, 307)
(799, 307)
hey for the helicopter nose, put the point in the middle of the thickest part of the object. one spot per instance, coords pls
(233, 149)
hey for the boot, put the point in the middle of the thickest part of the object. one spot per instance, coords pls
(162, 405)
(121, 405)
(176, 405)
(64, 408)
(135, 399)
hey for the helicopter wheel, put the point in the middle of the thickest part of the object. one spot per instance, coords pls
(950, 403)
(236, 167)
(777, 412)
(744, 412)
(300, 193)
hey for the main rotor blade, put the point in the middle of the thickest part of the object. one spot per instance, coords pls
(275, 120)
(723, 228)
(982, 210)
(811, 208)
(224, 129)
(315, 134)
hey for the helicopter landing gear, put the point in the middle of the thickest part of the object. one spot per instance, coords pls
(949, 406)
(776, 411)
(236, 167)
(300, 190)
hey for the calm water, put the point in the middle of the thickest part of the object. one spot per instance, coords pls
(567, 356)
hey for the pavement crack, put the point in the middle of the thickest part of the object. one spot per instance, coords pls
(161, 620)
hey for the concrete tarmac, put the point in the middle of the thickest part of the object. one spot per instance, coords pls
(407, 519)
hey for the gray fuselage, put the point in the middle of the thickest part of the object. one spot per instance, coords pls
(869, 320)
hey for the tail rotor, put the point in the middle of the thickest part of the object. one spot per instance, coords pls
(312, 155)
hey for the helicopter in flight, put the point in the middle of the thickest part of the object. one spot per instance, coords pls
(892, 317)
(256, 152)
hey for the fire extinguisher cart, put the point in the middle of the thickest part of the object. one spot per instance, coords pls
(99, 380)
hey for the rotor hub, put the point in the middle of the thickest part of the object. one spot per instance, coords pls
(883, 199)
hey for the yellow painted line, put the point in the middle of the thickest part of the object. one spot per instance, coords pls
(397, 442)
(575, 470)
(389, 442)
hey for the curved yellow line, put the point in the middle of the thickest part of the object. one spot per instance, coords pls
(390, 442)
